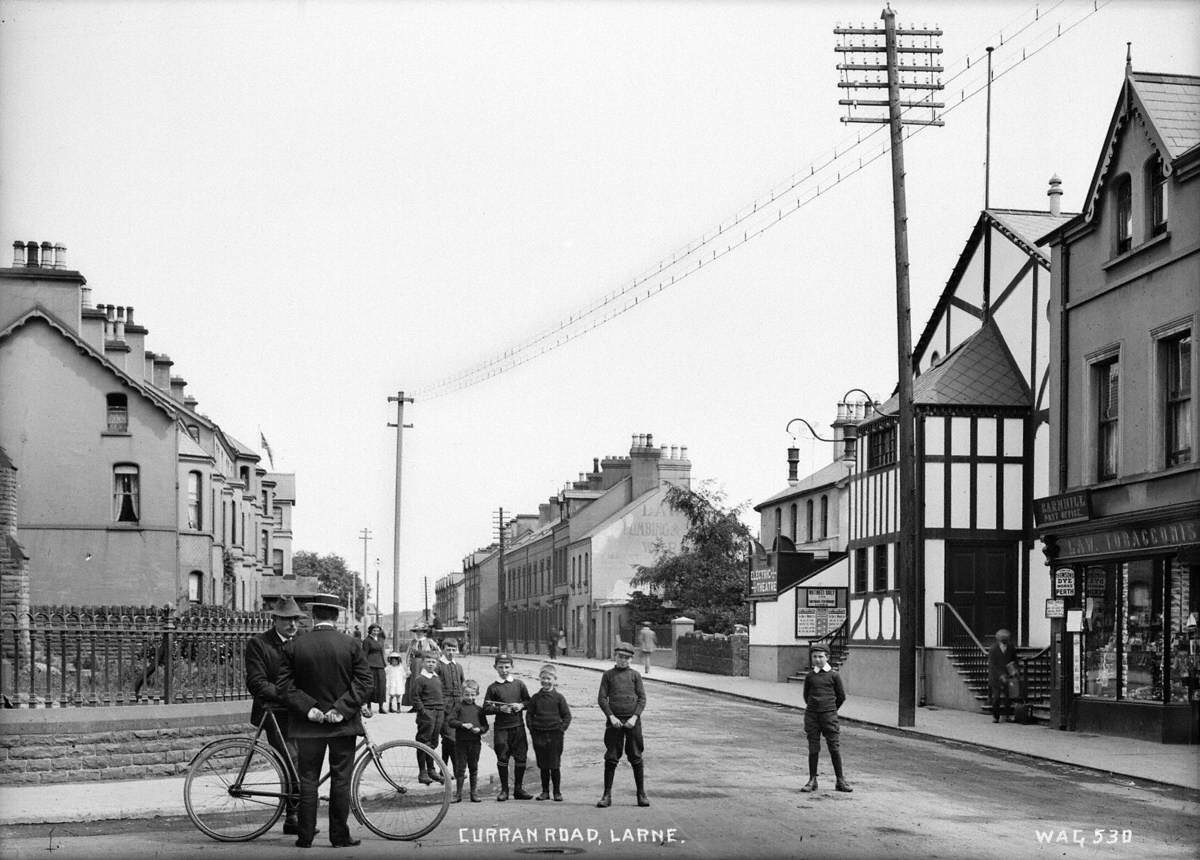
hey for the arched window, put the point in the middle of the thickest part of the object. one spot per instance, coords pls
(824, 516)
(195, 507)
(778, 522)
(195, 587)
(808, 518)
(795, 522)
(126, 493)
(1123, 213)
(117, 413)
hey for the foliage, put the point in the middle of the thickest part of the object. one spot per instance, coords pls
(333, 577)
(706, 579)
(648, 607)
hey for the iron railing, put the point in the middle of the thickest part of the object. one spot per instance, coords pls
(59, 656)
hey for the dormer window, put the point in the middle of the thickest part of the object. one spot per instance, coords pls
(1156, 198)
(117, 413)
(1123, 198)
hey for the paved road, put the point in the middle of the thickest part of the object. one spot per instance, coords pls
(723, 779)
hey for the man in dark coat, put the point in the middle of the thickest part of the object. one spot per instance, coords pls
(264, 656)
(1002, 662)
(325, 681)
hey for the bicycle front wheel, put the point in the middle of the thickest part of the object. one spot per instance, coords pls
(235, 790)
(390, 799)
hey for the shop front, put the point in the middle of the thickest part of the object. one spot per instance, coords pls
(1126, 602)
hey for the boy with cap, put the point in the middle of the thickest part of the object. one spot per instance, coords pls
(548, 716)
(622, 698)
(427, 701)
(823, 695)
(470, 724)
(506, 697)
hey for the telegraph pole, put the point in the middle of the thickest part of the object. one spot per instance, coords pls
(900, 76)
(377, 596)
(364, 536)
(400, 426)
(501, 620)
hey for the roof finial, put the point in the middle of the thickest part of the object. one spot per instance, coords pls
(1128, 58)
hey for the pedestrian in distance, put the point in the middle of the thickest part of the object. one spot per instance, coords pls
(647, 643)
(396, 675)
(561, 642)
(450, 672)
(470, 724)
(622, 698)
(506, 698)
(548, 717)
(430, 708)
(326, 681)
(373, 648)
(264, 658)
(823, 695)
(1003, 667)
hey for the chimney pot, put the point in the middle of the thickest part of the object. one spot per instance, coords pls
(47, 255)
(1054, 192)
(674, 452)
(85, 296)
(683, 452)
(634, 442)
(121, 313)
(649, 440)
(119, 333)
(595, 464)
(129, 315)
(60, 256)
(18, 254)
(110, 311)
(31, 254)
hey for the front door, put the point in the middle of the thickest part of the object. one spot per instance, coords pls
(981, 584)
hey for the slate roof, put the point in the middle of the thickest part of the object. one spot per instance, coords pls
(1026, 226)
(980, 371)
(827, 475)
(1173, 105)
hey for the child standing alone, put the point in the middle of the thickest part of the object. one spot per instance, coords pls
(823, 695)
(470, 724)
(396, 677)
(548, 717)
(428, 703)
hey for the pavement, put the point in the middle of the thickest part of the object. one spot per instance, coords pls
(1124, 758)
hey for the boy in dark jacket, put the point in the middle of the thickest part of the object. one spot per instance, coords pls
(506, 697)
(427, 701)
(622, 699)
(469, 724)
(548, 717)
(823, 695)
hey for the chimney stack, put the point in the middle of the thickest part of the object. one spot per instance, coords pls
(60, 256)
(31, 254)
(1055, 195)
(18, 254)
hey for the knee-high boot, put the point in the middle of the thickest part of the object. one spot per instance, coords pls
(639, 780)
(835, 756)
(610, 770)
(519, 792)
(502, 769)
(813, 758)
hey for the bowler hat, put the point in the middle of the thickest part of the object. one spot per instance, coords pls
(333, 606)
(287, 607)
(623, 648)
(813, 649)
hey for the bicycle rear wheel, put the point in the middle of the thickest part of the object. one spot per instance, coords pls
(235, 790)
(388, 797)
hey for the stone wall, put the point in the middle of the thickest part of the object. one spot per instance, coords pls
(714, 653)
(80, 745)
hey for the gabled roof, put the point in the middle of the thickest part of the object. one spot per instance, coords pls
(39, 312)
(827, 475)
(1169, 109)
(243, 450)
(980, 371)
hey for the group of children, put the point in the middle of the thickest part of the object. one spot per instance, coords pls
(446, 710)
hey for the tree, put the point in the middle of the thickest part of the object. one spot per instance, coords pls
(333, 577)
(707, 577)
(647, 607)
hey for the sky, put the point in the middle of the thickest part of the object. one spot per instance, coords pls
(313, 206)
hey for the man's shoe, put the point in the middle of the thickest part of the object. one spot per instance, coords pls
(642, 799)
(424, 778)
(842, 785)
(545, 795)
(521, 794)
(349, 843)
(503, 795)
(303, 843)
(604, 802)
(558, 797)
(434, 776)
(475, 797)
(811, 785)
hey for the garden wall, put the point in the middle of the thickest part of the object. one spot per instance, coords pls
(714, 653)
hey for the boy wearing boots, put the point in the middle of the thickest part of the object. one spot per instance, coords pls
(506, 697)
(823, 695)
(469, 724)
(548, 717)
(450, 671)
(622, 699)
(427, 702)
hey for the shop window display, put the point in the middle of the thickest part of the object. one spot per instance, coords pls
(1141, 641)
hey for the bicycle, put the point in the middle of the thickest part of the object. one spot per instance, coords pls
(236, 788)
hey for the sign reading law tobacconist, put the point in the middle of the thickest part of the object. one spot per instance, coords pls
(1126, 540)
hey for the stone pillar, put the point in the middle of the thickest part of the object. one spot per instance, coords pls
(679, 626)
(14, 571)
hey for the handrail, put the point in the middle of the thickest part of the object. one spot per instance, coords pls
(970, 633)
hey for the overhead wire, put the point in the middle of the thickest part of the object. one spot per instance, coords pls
(768, 208)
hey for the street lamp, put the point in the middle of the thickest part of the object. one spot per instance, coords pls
(845, 420)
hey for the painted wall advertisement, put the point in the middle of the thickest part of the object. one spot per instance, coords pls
(819, 611)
